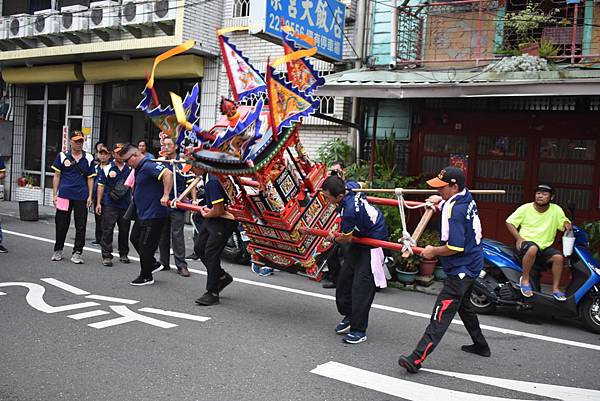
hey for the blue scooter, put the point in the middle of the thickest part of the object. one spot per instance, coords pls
(498, 283)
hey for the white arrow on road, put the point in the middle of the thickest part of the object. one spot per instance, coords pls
(422, 392)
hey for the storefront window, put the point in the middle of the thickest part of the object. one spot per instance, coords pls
(568, 149)
(57, 92)
(55, 122)
(568, 164)
(33, 137)
(446, 144)
(501, 146)
(76, 100)
(439, 148)
(501, 164)
(35, 92)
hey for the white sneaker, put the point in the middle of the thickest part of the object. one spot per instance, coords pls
(56, 256)
(77, 259)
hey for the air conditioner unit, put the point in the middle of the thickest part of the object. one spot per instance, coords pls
(163, 10)
(74, 18)
(20, 26)
(46, 22)
(136, 12)
(104, 14)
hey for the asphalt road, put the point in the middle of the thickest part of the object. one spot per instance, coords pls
(269, 339)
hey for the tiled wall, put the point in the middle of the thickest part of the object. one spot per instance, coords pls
(92, 109)
(201, 21)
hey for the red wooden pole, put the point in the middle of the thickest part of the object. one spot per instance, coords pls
(390, 202)
(363, 241)
(188, 206)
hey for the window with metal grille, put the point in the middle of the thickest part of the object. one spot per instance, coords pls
(241, 8)
(327, 104)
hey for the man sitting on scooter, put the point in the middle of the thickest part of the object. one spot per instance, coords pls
(534, 227)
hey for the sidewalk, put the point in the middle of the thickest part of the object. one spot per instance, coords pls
(11, 208)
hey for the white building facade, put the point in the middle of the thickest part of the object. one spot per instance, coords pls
(76, 64)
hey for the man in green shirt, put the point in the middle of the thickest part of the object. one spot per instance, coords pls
(534, 227)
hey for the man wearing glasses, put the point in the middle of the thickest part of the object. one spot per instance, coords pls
(153, 184)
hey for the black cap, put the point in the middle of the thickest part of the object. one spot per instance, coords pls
(449, 175)
(544, 188)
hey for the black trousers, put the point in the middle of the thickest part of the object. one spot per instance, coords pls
(355, 287)
(62, 222)
(453, 298)
(98, 228)
(145, 236)
(111, 216)
(334, 264)
(209, 244)
(197, 221)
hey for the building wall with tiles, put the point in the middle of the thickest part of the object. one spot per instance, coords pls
(201, 21)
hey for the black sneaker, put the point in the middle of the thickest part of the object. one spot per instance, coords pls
(107, 262)
(208, 299)
(481, 350)
(192, 256)
(124, 259)
(225, 281)
(142, 281)
(409, 365)
(157, 267)
(3, 249)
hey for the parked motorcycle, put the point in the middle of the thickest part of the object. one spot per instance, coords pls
(498, 283)
(236, 249)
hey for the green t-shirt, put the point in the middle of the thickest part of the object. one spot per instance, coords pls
(538, 227)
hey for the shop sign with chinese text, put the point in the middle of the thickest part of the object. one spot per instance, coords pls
(323, 20)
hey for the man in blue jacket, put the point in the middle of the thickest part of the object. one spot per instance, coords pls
(461, 255)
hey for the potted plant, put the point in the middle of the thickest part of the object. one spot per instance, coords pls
(428, 237)
(407, 268)
(22, 181)
(525, 25)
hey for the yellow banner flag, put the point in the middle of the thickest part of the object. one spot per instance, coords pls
(185, 46)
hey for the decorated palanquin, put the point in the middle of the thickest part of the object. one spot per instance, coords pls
(255, 151)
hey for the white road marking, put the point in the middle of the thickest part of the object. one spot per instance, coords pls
(421, 392)
(396, 387)
(175, 314)
(85, 315)
(112, 299)
(128, 316)
(2, 293)
(65, 286)
(545, 390)
(517, 333)
(35, 298)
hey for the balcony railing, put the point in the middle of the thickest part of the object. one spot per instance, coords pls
(467, 33)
